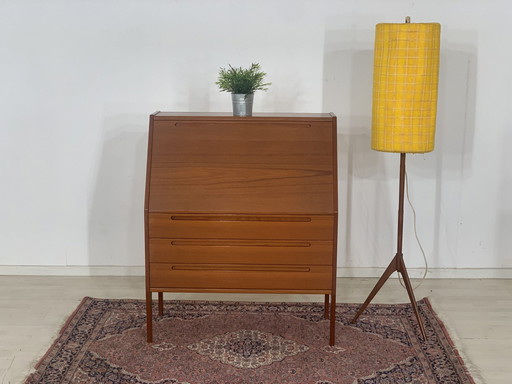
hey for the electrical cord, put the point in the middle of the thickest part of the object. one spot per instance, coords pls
(416, 235)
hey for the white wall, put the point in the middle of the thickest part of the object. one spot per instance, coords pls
(79, 79)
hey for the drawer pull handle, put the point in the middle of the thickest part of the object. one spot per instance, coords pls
(202, 124)
(243, 218)
(240, 243)
(239, 268)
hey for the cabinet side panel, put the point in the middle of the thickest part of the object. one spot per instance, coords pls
(146, 205)
(149, 162)
(335, 202)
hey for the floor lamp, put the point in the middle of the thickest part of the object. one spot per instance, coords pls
(405, 79)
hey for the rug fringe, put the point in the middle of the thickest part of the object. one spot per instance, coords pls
(36, 361)
(458, 349)
(458, 343)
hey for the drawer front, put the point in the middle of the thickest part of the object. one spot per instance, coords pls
(205, 251)
(240, 277)
(286, 227)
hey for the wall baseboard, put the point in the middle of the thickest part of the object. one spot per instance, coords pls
(71, 270)
(433, 273)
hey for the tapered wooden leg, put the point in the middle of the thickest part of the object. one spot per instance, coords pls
(326, 307)
(332, 335)
(392, 267)
(160, 303)
(149, 317)
(410, 291)
(396, 265)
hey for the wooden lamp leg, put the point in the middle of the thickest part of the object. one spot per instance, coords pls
(397, 264)
(149, 316)
(326, 307)
(332, 319)
(160, 303)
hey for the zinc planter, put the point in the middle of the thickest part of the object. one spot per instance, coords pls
(242, 104)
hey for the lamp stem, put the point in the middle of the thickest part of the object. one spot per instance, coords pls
(397, 264)
(401, 205)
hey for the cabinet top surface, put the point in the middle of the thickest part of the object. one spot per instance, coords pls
(225, 115)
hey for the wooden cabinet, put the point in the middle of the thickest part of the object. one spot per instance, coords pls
(241, 204)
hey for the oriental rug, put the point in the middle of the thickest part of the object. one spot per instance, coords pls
(199, 342)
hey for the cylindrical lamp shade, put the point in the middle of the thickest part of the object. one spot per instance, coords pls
(405, 79)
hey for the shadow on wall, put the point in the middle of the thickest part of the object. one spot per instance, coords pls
(347, 91)
(453, 153)
(504, 225)
(367, 204)
(116, 211)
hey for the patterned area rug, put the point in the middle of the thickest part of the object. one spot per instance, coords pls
(235, 343)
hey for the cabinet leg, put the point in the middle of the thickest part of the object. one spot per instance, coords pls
(332, 333)
(149, 317)
(326, 307)
(160, 303)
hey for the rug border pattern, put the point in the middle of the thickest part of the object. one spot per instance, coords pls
(91, 309)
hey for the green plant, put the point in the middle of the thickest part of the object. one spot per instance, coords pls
(242, 80)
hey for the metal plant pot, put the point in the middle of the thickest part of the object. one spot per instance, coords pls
(242, 104)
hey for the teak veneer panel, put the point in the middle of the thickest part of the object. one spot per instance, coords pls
(241, 276)
(252, 252)
(230, 167)
(241, 226)
(241, 205)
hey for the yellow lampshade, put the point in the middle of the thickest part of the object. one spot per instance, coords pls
(405, 79)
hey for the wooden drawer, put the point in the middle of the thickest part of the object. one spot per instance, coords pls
(227, 251)
(240, 277)
(285, 227)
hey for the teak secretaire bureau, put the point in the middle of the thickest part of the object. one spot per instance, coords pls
(241, 204)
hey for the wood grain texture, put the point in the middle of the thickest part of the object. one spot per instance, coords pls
(230, 226)
(241, 205)
(241, 251)
(220, 116)
(254, 167)
(240, 276)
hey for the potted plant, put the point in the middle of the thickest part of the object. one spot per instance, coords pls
(242, 83)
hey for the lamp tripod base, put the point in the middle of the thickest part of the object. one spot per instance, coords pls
(397, 264)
